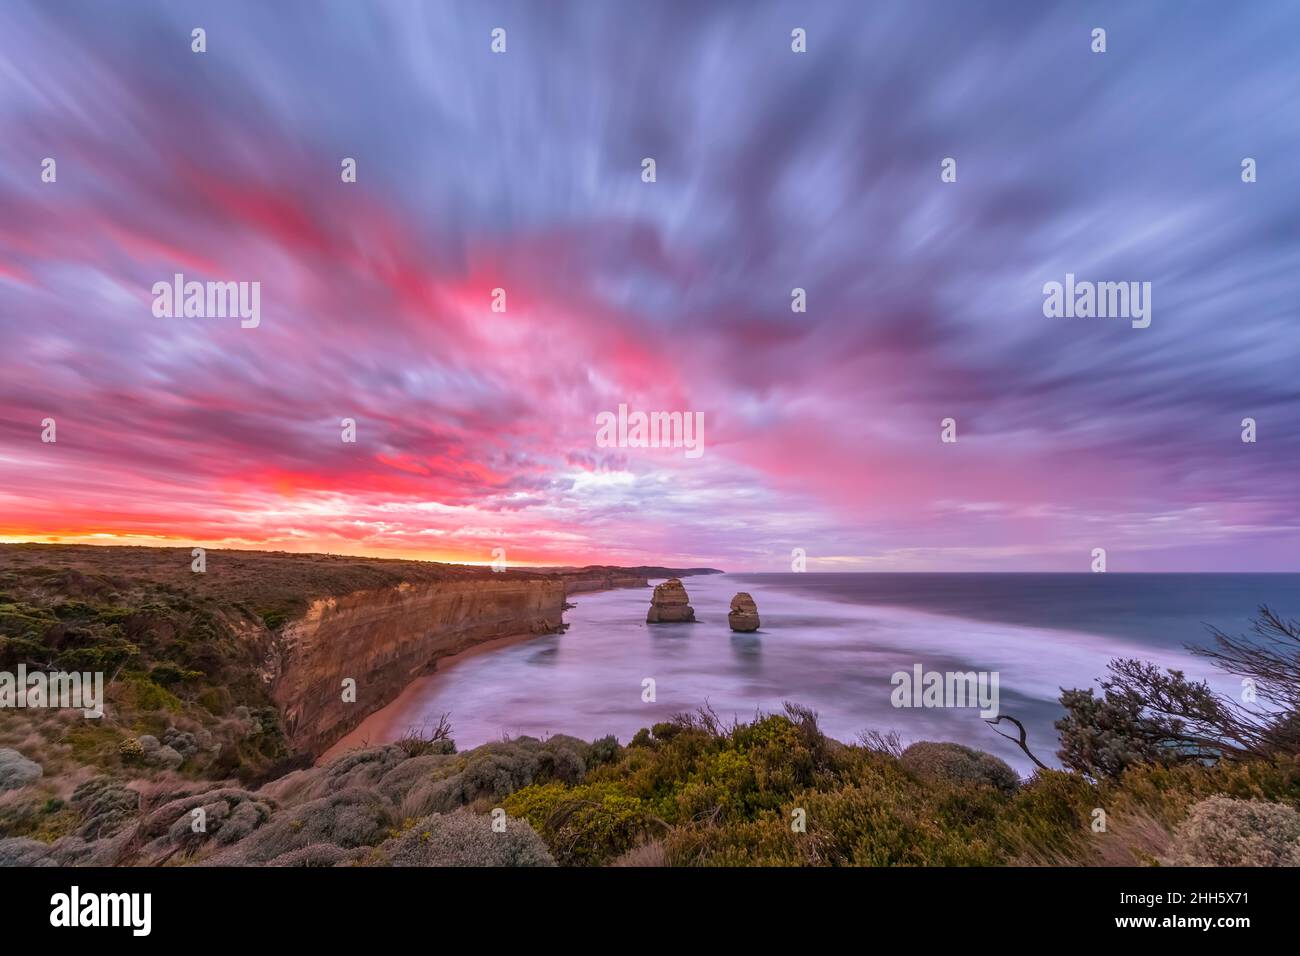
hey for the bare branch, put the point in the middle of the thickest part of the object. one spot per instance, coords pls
(1021, 742)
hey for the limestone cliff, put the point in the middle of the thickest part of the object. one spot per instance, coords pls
(603, 579)
(384, 638)
(253, 631)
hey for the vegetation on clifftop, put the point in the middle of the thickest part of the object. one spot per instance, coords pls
(181, 677)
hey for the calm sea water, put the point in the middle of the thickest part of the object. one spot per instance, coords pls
(832, 642)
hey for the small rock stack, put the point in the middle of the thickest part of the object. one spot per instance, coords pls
(670, 604)
(744, 613)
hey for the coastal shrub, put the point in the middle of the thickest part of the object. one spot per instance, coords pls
(185, 743)
(588, 825)
(1223, 831)
(275, 618)
(168, 758)
(355, 817)
(17, 771)
(168, 674)
(23, 851)
(1049, 814)
(1149, 715)
(229, 815)
(243, 820)
(889, 822)
(1104, 736)
(104, 657)
(138, 693)
(268, 728)
(419, 742)
(498, 772)
(724, 786)
(318, 854)
(1173, 790)
(495, 770)
(25, 621)
(666, 730)
(357, 768)
(959, 765)
(604, 750)
(55, 820)
(131, 750)
(563, 758)
(764, 842)
(784, 755)
(106, 806)
(72, 610)
(658, 772)
(416, 772)
(465, 839)
(214, 814)
(22, 650)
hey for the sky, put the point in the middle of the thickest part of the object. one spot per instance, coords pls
(774, 170)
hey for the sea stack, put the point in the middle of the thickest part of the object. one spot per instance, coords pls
(670, 604)
(744, 613)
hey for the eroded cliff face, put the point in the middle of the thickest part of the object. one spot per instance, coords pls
(384, 638)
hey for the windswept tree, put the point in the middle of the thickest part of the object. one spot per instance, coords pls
(1148, 715)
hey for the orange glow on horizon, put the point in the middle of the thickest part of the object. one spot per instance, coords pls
(293, 546)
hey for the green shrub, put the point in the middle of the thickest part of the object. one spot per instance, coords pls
(605, 750)
(955, 764)
(101, 657)
(24, 620)
(1050, 812)
(167, 674)
(274, 618)
(588, 825)
(74, 610)
(765, 842)
(665, 731)
(465, 839)
(139, 693)
(22, 650)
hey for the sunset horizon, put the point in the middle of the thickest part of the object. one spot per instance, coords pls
(474, 305)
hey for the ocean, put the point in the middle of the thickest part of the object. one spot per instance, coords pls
(833, 642)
